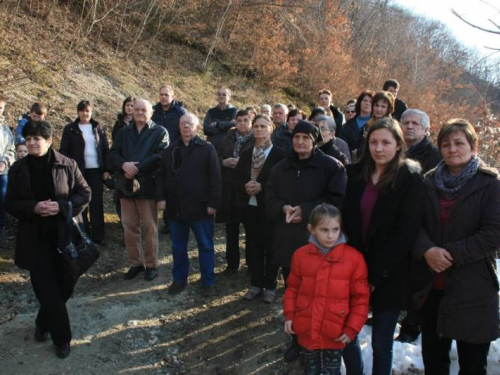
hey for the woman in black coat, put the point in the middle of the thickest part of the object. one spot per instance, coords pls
(249, 181)
(41, 185)
(84, 140)
(232, 145)
(382, 215)
(455, 273)
(297, 184)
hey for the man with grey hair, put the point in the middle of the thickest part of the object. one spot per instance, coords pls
(415, 125)
(265, 109)
(136, 155)
(189, 189)
(281, 135)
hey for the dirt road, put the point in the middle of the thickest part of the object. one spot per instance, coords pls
(136, 327)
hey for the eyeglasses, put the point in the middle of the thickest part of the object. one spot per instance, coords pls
(350, 111)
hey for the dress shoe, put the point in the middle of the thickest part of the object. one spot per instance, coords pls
(208, 290)
(176, 287)
(406, 338)
(63, 350)
(133, 272)
(252, 293)
(40, 334)
(269, 296)
(230, 271)
(150, 274)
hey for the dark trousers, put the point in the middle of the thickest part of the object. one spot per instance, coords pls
(472, 358)
(233, 238)
(3, 190)
(259, 240)
(52, 290)
(95, 228)
(322, 361)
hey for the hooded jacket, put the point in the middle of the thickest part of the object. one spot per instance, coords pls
(326, 295)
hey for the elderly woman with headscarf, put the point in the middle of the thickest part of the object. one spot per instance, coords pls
(306, 178)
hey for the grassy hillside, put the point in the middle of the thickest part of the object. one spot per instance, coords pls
(49, 61)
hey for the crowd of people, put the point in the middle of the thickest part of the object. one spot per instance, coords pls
(358, 208)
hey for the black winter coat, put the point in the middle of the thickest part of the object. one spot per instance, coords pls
(352, 135)
(119, 124)
(399, 108)
(189, 180)
(73, 145)
(329, 148)
(242, 176)
(469, 309)
(169, 119)
(393, 230)
(282, 137)
(226, 149)
(145, 148)
(222, 119)
(304, 183)
(69, 185)
(426, 154)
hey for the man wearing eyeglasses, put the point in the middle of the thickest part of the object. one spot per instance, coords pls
(350, 110)
(221, 118)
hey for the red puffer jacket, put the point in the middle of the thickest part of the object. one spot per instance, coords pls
(326, 295)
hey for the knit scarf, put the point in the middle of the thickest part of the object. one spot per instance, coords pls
(258, 159)
(450, 185)
(240, 140)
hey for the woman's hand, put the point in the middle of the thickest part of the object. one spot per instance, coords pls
(253, 188)
(344, 339)
(293, 215)
(288, 327)
(230, 162)
(438, 259)
(211, 211)
(47, 208)
(161, 205)
(105, 176)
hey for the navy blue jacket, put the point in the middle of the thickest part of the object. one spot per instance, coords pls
(169, 119)
(189, 180)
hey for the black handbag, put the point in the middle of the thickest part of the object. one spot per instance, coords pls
(78, 257)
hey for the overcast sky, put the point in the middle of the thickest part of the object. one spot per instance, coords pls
(475, 11)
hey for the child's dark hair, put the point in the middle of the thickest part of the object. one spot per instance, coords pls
(323, 211)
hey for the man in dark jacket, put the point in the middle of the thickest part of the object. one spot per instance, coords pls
(282, 135)
(415, 124)
(136, 156)
(325, 101)
(168, 111)
(400, 106)
(189, 189)
(220, 119)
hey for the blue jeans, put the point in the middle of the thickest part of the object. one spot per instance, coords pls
(204, 232)
(384, 325)
(3, 190)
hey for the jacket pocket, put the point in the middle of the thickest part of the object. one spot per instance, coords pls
(335, 318)
(302, 319)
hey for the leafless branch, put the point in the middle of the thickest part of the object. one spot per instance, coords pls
(474, 26)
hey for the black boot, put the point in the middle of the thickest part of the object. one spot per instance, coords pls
(293, 351)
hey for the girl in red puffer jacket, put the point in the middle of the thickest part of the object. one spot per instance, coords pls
(327, 295)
